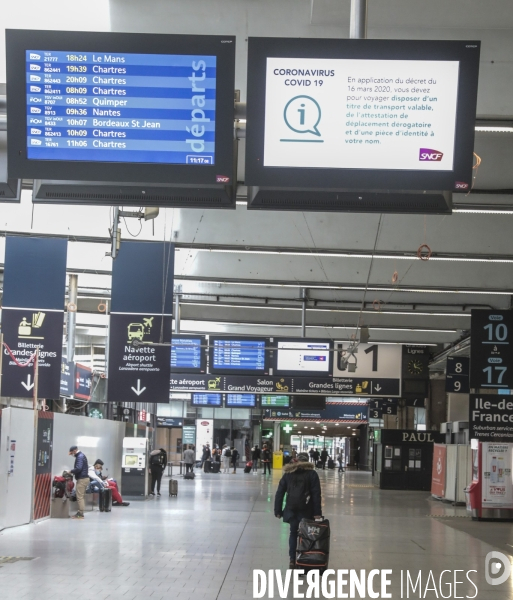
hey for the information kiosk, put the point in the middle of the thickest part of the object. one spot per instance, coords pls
(134, 471)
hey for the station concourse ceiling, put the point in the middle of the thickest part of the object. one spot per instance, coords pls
(243, 272)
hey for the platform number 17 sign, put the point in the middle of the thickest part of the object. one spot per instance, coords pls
(491, 349)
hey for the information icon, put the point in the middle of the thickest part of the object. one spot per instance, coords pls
(302, 114)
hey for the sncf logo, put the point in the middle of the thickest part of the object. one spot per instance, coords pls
(429, 154)
(222, 179)
(461, 185)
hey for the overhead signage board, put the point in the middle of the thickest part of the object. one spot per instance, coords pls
(188, 354)
(240, 401)
(332, 413)
(282, 401)
(491, 350)
(67, 378)
(303, 357)
(373, 114)
(337, 386)
(92, 106)
(140, 317)
(238, 355)
(491, 418)
(33, 315)
(457, 375)
(207, 400)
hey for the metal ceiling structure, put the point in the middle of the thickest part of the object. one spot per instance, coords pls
(244, 272)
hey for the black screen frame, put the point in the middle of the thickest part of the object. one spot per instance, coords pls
(255, 396)
(280, 372)
(226, 371)
(19, 166)
(202, 369)
(466, 52)
(262, 405)
(308, 398)
(205, 405)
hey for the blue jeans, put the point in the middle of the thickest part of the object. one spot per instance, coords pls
(255, 464)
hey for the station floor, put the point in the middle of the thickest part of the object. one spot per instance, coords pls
(205, 543)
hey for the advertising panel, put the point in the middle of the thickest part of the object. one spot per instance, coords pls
(439, 470)
(204, 435)
(497, 490)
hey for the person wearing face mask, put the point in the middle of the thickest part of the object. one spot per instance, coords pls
(117, 500)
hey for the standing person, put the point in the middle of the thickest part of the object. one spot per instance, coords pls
(357, 459)
(266, 459)
(80, 471)
(235, 458)
(293, 454)
(324, 458)
(158, 462)
(301, 484)
(316, 456)
(206, 454)
(255, 457)
(189, 456)
(312, 455)
(227, 457)
(339, 459)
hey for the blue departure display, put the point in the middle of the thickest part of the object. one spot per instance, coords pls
(186, 353)
(207, 399)
(111, 107)
(240, 400)
(244, 355)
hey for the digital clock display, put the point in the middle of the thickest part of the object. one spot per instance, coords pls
(121, 107)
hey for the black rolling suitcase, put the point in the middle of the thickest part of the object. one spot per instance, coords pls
(189, 475)
(318, 464)
(248, 467)
(173, 487)
(331, 463)
(105, 500)
(206, 466)
(313, 545)
(215, 467)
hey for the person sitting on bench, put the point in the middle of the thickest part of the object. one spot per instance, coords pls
(117, 500)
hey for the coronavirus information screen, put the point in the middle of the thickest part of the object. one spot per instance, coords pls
(112, 107)
(360, 114)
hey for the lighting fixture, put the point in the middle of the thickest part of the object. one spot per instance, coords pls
(295, 425)
(356, 288)
(493, 129)
(317, 422)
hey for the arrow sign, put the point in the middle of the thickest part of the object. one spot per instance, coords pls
(138, 391)
(28, 386)
(378, 388)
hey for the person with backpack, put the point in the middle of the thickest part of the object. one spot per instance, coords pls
(158, 462)
(301, 484)
(266, 459)
(235, 458)
(227, 457)
(255, 457)
(81, 473)
(206, 454)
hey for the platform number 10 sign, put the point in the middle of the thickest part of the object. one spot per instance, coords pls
(491, 349)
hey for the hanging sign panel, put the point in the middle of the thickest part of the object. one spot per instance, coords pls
(141, 316)
(491, 349)
(457, 375)
(33, 315)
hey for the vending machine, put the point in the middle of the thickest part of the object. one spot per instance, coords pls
(490, 495)
(134, 467)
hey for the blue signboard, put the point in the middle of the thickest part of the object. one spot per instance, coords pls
(207, 399)
(238, 354)
(186, 353)
(120, 107)
(240, 400)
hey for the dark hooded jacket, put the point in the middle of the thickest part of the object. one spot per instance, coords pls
(293, 469)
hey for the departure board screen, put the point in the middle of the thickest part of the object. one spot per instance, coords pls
(207, 399)
(237, 355)
(240, 400)
(187, 354)
(113, 107)
(281, 401)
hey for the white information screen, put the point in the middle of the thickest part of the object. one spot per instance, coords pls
(303, 356)
(360, 114)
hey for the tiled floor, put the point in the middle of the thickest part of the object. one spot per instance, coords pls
(206, 543)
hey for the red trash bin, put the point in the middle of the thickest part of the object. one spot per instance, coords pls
(473, 500)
